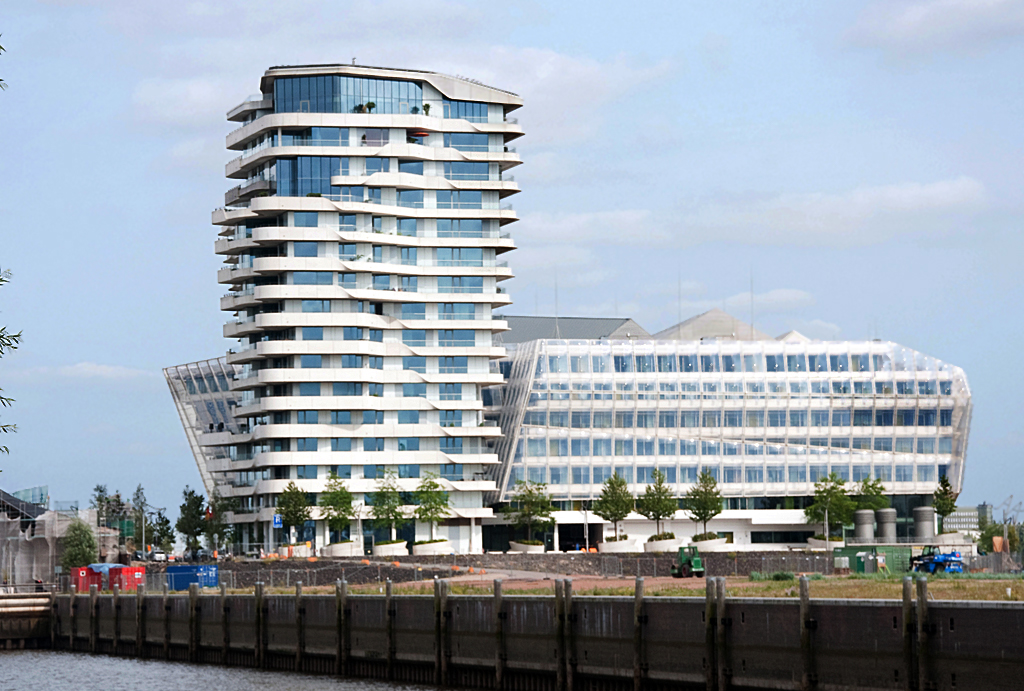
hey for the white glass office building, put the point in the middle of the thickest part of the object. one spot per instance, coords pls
(363, 251)
(767, 418)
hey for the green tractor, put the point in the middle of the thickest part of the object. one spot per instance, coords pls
(688, 564)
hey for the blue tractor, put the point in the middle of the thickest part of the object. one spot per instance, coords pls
(932, 560)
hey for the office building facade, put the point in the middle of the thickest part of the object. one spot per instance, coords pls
(363, 255)
(767, 418)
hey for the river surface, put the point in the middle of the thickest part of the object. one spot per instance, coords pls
(45, 669)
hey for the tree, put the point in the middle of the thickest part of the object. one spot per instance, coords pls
(830, 497)
(431, 502)
(161, 531)
(8, 341)
(191, 518)
(944, 500)
(336, 504)
(994, 529)
(216, 529)
(615, 501)
(99, 502)
(704, 501)
(657, 502)
(870, 495)
(387, 504)
(530, 506)
(79, 546)
(293, 506)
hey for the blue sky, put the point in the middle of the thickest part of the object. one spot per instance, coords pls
(861, 160)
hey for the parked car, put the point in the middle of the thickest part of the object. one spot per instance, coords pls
(159, 555)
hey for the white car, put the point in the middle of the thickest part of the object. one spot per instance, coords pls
(159, 555)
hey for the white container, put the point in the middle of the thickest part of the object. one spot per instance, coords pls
(393, 550)
(815, 543)
(343, 549)
(719, 544)
(443, 547)
(663, 545)
(293, 551)
(618, 547)
(514, 546)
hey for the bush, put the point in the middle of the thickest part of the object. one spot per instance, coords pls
(705, 536)
(662, 536)
(756, 576)
(430, 542)
(620, 538)
(388, 542)
(529, 542)
(783, 576)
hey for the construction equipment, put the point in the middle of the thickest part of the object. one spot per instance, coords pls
(932, 560)
(688, 563)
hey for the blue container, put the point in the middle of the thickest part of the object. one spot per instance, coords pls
(181, 577)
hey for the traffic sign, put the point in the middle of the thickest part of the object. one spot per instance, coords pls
(278, 523)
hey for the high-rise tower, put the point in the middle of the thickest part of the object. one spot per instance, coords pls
(362, 253)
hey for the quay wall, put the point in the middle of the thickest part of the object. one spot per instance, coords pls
(567, 642)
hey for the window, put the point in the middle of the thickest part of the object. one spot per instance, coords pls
(625, 472)
(580, 447)
(601, 473)
(796, 363)
(623, 419)
(946, 418)
(645, 419)
(861, 443)
(456, 337)
(733, 418)
(581, 420)
(819, 418)
(623, 447)
(305, 249)
(414, 390)
(305, 219)
(305, 472)
(711, 418)
(797, 473)
(558, 419)
(904, 473)
(883, 473)
(905, 418)
(450, 392)
(559, 475)
(883, 443)
(817, 362)
(343, 472)
(458, 364)
(731, 475)
(414, 337)
(946, 445)
(465, 141)
(305, 444)
(926, 445)
(373, 444)
(839, 363)
(755, 474)
(816, 473)
(341, 417)
(307, 417)
(580, 476)
(602, 447)
(709, 448)
(459, 199)
(710, 363)
(798, 418)
(309, 389)
(666, 447)
(861, 472)
(348, 388)
(312, 278)
(316, 305)
(645, 447)
(460, 284)
(312, 333)
(373, 417)
(351, 361)
(414, 363)
(843, 471)
(840, 418)
(774, 363)
(927, 417)
(456, 310)
(755, 418)
(904, 445)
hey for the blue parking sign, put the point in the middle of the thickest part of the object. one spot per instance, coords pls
(278, 523)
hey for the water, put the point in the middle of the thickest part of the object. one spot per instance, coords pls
(46, 669)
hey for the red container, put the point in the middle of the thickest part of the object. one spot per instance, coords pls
(83, 577)
(127, 578)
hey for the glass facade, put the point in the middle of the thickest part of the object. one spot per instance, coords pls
(766, 418)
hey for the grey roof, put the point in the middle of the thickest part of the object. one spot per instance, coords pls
(523, 329)
(712, 324)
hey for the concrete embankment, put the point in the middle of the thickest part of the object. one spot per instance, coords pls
(568, 642)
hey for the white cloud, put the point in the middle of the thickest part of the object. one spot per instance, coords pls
(906, 27)
(85, 370)
(621, 227)
(861, 216)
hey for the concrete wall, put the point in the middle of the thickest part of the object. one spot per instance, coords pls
(569, 642)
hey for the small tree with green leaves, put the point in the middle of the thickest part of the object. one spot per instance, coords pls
(530, 506)
(944, 500)
(657, 504)
(704, 502)
(163, 534)
(293, 506)
(215, 525)
(870, 494)
(830, 498)
(387, 509)
(432, 502)
(614, 503)
(191, 517)
(336, 504)
(80, 547)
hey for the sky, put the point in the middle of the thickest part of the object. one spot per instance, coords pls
(856, 162)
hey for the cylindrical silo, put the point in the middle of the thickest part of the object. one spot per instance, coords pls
(924, 523)
(886, 524)
(864, 524)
